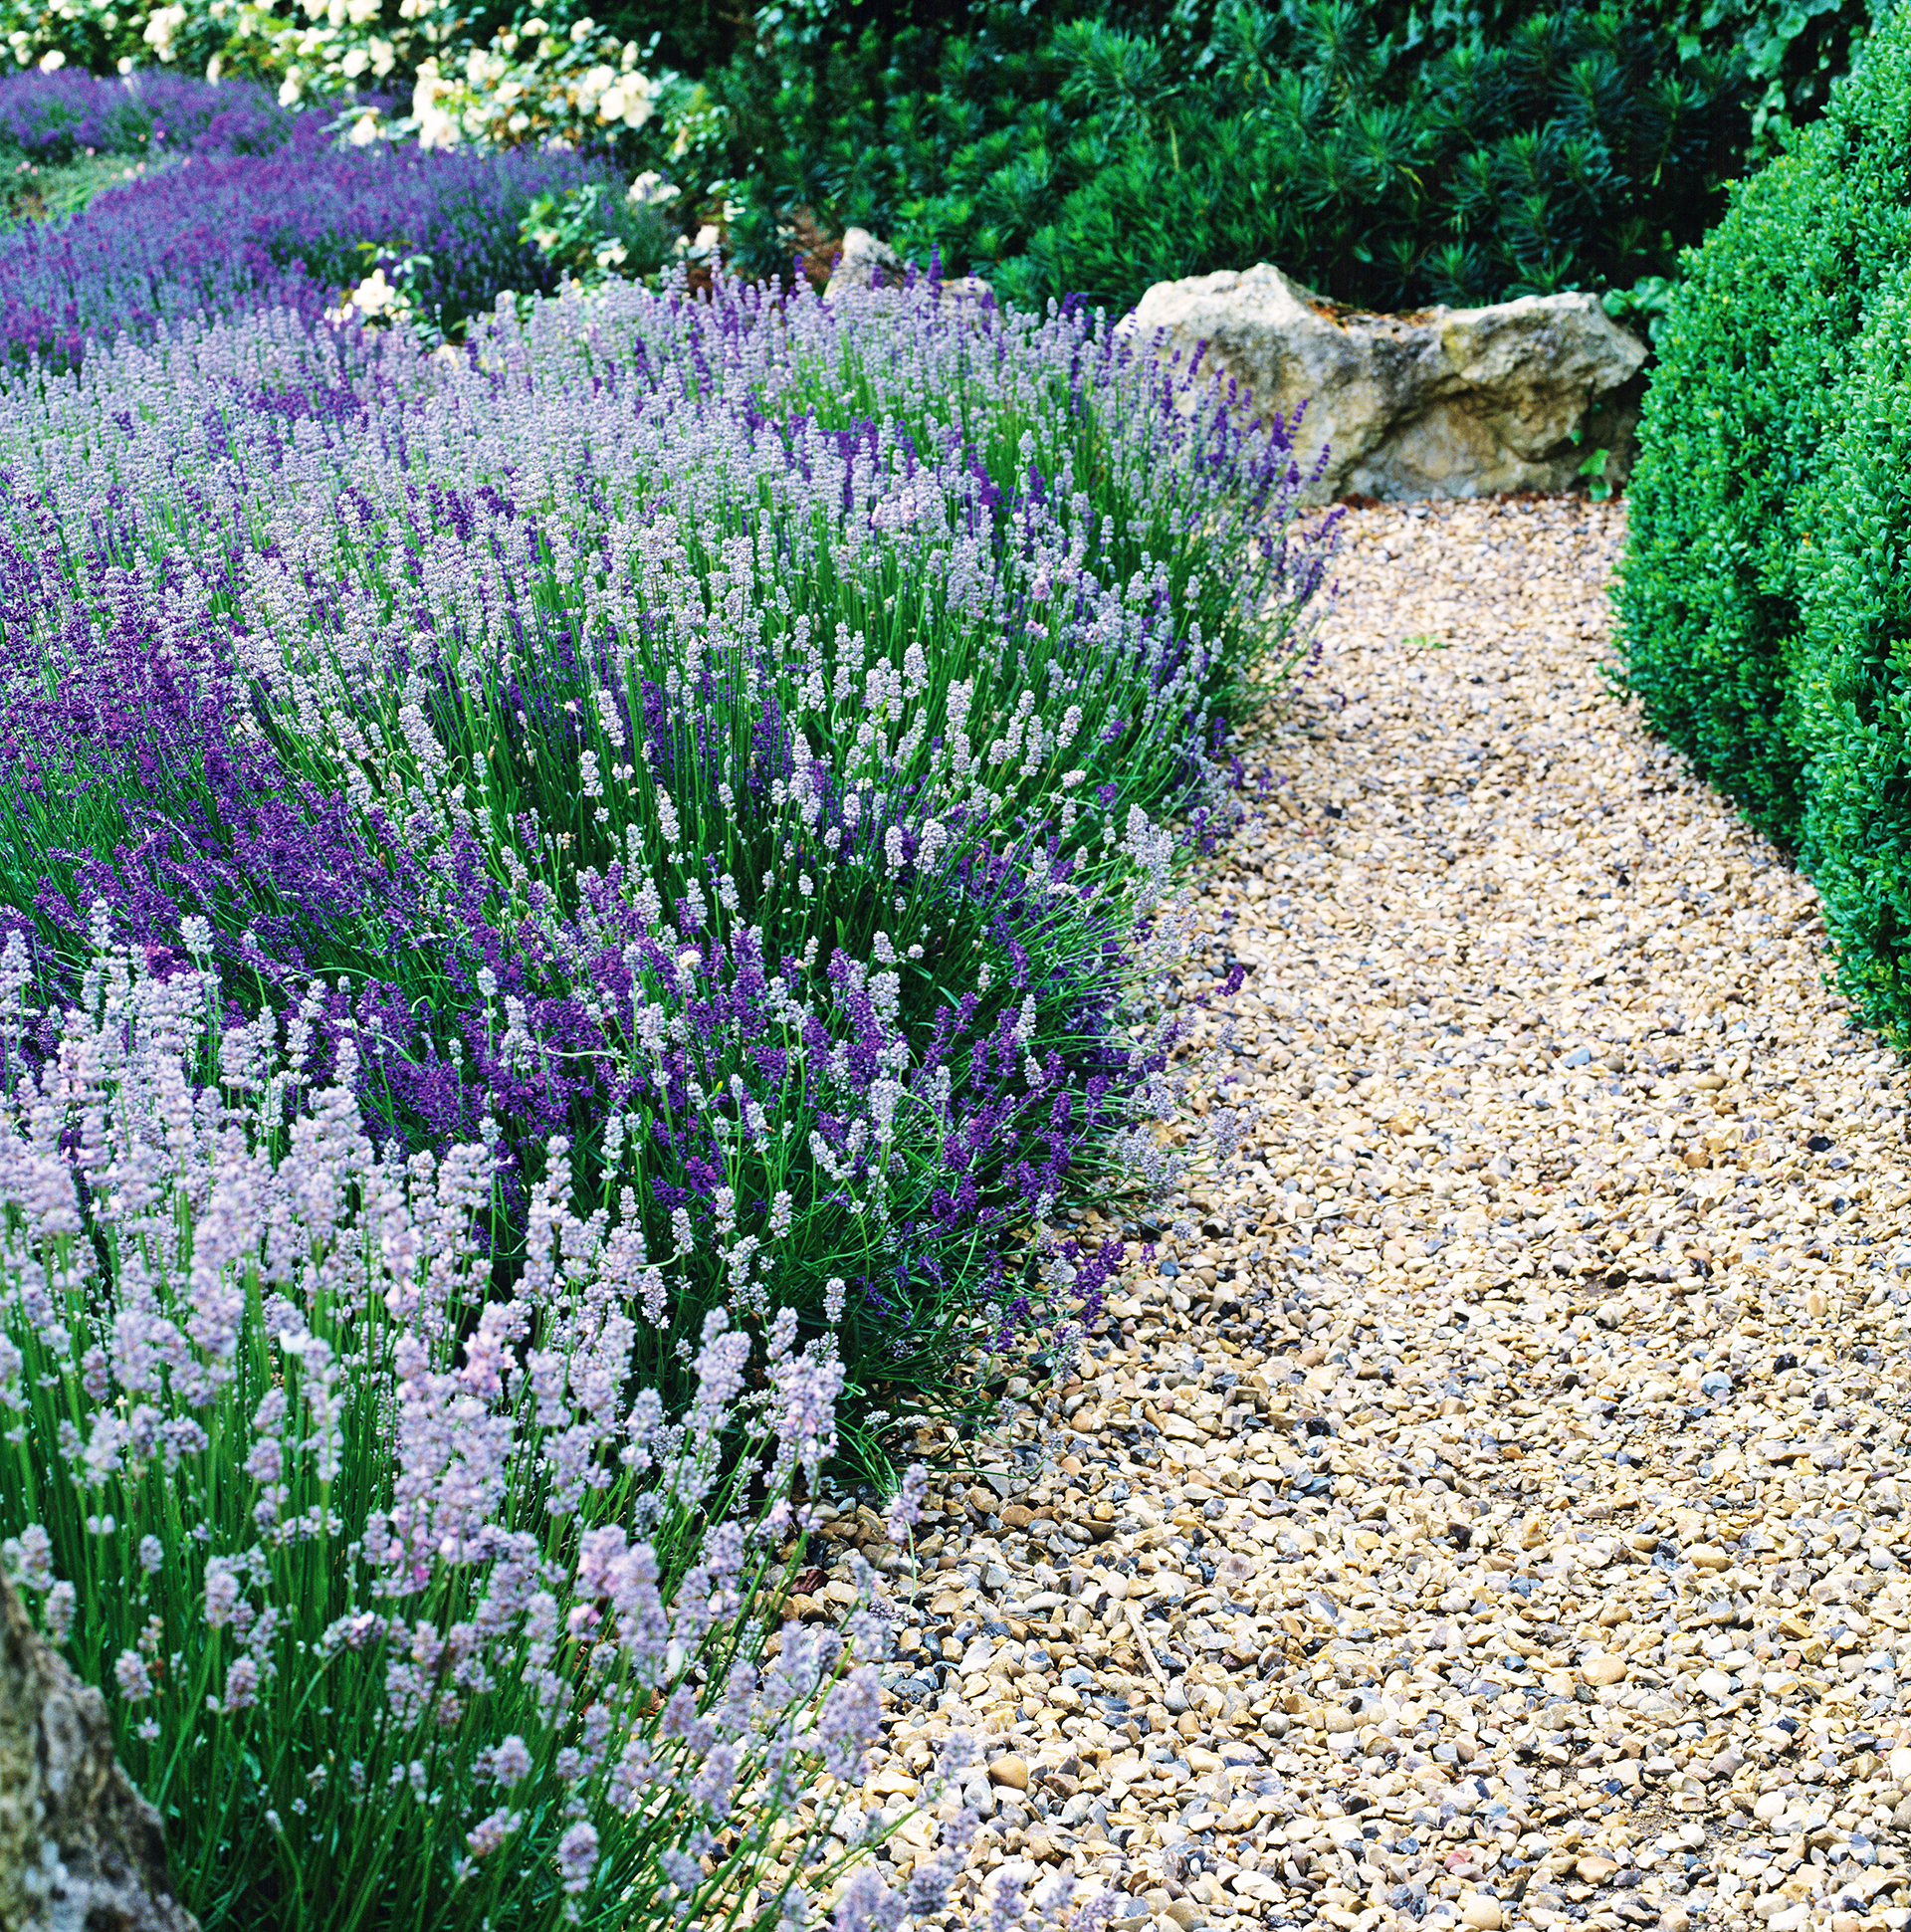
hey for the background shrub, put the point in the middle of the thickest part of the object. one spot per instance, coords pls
(1386, 177)
(1390, 155)
(1764, 621)
(1490, 169)
(1727, 528)
(1853, 698)
(438, 72)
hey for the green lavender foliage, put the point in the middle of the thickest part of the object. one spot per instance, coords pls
(1727, 531)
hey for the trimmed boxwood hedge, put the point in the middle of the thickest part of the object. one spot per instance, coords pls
(1765, 595)
(1727, 525)
(1853, 694)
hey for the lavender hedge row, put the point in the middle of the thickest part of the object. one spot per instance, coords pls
(680, 792)
(219, 234)
(52, 117)
(729, 736)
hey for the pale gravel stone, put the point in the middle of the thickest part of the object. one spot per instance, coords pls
(1536, 1389)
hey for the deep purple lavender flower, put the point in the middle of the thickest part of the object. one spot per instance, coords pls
(226, 231)
(52, 118)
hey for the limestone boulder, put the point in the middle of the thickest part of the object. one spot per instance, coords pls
(866, 262)
(80, 1849)
(1442, 402)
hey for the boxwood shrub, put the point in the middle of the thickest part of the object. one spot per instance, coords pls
(1853, 692)
(1727, 526)
(1765, 597)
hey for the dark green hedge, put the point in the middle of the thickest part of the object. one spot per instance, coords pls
(1727, 523)
(1853, 694)
(1765, 595)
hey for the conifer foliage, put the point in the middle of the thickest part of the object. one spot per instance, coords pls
(1568, 148)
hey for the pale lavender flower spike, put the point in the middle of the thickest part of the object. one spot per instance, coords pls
(422, 1523)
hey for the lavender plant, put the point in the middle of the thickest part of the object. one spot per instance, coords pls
(53, 117)
(227, 233)
(733, 737)
(410, 1605)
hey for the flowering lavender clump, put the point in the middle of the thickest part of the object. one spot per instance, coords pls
(735, 736)
(50, 117)
(408, 1605)
(252, 227)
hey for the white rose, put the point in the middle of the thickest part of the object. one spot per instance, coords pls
(651, 189)
(374, 295)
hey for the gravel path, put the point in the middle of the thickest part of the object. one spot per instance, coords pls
(1490, 1514)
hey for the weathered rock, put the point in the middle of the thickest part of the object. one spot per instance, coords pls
(864, 262)
(867, 262)
(80, 1849)
(1445, 402)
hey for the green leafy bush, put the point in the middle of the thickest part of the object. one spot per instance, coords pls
(1854, 691)
(1392, 155)
(1727, 525)
(1530, 165)
(592, 233)
(1765, 622)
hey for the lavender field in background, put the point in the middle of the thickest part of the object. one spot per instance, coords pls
(52, 117)
(267, 211)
